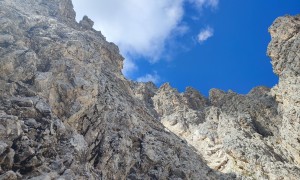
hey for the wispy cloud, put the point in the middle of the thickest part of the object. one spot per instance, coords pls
(129, 67)
(155, 78)
(205, 3)
(205, 34)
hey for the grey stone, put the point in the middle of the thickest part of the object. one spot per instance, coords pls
(67, 112)
(9, 175)
(43, 108)
(86, 23)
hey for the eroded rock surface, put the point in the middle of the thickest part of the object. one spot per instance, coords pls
(67, 112)
(284, 50)
(257, 135)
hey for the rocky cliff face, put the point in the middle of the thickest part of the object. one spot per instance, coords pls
(256, 135)
(284, 50)
(67, 112)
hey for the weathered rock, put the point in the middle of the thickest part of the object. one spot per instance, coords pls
(234, 133)
(9, 175)
(254, 135)
(67, 112)
(86, 23)
(284, 50)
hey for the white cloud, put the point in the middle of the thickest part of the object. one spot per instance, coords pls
(205, 34)
(129, 67)
(149, 77)
(138, 27)
(181, 29)
(205, 3)
(141, 28)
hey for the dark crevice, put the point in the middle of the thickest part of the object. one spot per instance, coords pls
(29, 81)
(5, 45)
(260, 129)
(97, 152)
(44, 67)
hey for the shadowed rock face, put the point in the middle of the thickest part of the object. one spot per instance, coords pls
(67, 112)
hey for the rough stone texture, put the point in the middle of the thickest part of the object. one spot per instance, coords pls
(257, 135)
(233, 133)
(67, 112)
(284, 50)
(86, 23)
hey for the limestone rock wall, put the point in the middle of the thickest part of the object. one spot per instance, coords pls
(255, 135)
(67, 112)
(232, 132)
(284, 49)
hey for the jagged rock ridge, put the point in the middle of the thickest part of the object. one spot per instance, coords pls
(257, 135)
(67, 112)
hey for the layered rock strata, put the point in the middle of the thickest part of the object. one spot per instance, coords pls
(67, 112)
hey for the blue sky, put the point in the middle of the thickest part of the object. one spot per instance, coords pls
(200, 43)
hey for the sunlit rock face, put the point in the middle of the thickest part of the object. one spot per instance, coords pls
(67, 112)
(284, 50)
(257, 135)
